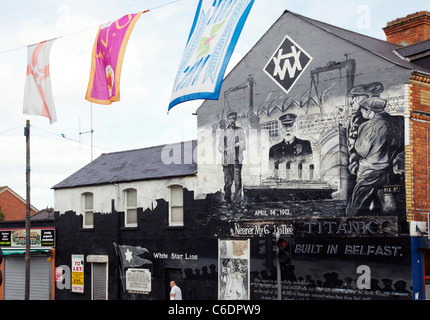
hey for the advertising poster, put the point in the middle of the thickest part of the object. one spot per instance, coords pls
(78, 273)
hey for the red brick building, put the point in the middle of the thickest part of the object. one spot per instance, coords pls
(413, 32)
(418, 151)
(13, 205)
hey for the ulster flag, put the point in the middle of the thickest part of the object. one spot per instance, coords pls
(38, 99)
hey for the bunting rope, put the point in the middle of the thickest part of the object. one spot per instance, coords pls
(83, 30)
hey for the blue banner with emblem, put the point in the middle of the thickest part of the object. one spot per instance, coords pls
(212, 39)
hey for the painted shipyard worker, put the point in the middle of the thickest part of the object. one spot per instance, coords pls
(357, 94)
(231, 145)
(290, 148)
(378, 143)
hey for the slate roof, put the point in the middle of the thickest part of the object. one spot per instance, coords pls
(136, 165)
(415, 48)
(383, 49)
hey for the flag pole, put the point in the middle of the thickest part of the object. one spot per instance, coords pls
(27, 217)
(92, 131)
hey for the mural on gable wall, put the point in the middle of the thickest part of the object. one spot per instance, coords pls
(311, 147)
(338, 144)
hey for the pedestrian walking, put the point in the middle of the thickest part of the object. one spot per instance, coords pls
(175, 291)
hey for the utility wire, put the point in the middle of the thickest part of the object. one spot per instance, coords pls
(8, 130)
(67, 138)
(83, 30)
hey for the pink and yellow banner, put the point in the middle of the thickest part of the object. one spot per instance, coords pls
(107, 58)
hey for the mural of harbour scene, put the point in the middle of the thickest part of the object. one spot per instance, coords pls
(312, 148)
(339, 149)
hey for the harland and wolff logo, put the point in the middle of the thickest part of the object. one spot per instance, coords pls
(287, 64)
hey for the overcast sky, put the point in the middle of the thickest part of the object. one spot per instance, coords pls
(151, 61)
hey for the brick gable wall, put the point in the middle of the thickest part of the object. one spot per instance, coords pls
(12, 207)
(418, 152)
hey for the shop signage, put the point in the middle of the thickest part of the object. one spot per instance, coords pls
(17, 238)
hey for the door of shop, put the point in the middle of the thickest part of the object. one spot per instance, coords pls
(14, 278)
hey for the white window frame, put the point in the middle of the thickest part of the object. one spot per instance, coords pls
(176, 203)
(128, 207)
(86, 211)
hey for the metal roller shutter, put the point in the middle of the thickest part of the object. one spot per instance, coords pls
(14, 279)
(99, 281)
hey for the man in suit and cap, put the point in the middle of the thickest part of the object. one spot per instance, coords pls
(231, 145)
(291, 147)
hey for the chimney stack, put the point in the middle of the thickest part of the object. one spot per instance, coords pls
(408, 30)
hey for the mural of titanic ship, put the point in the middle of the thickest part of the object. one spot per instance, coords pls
(324, 177)
(324, 112)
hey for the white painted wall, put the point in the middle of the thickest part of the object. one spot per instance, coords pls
(147, 192)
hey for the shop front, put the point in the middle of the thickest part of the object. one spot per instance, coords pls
(42, 261)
